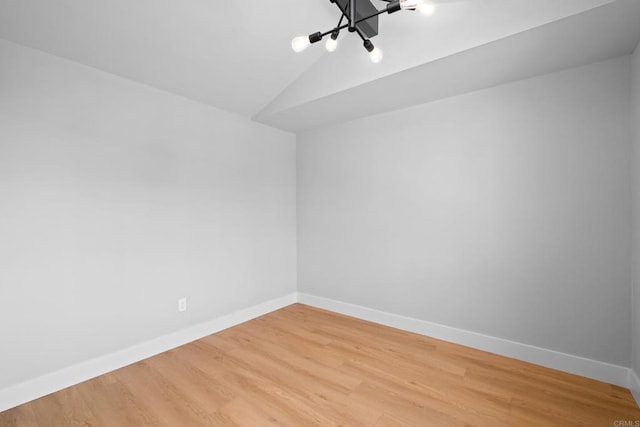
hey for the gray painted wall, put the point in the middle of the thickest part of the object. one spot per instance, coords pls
(117, 199)
(635, 123)
(505, 212)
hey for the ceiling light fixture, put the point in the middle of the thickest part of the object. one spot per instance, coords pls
(362, 18)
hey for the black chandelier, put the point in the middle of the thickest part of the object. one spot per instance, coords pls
(362, 18)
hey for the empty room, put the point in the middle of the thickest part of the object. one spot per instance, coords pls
(320, 213)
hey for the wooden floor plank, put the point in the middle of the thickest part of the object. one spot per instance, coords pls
(303, 366)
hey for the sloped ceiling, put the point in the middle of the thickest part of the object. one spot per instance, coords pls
(236, 55)
(597, 34)
(231, 54)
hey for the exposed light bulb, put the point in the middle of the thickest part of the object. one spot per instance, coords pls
(332, 42)
(409, 4)
(427, 7)
(376, 55)
(300, 43)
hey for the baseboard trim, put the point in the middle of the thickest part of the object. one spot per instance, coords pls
(634, 385)
(594, 369)
(38, 387)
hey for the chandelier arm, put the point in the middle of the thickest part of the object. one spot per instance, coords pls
(380, 12)
(360, 34)
(346, 7)
(343, 26)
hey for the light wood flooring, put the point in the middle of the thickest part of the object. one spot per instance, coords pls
(301, 366)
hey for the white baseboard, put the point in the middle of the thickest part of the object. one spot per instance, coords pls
(594, 369)
(634, 385)
(29, 390)
(49, 383)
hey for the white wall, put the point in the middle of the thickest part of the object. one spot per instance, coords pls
(117, 199)
(505, 212)
(635, 123)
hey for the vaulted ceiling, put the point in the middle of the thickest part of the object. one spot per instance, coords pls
(236, 55)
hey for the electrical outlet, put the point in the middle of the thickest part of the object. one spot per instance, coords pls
(182, 304)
